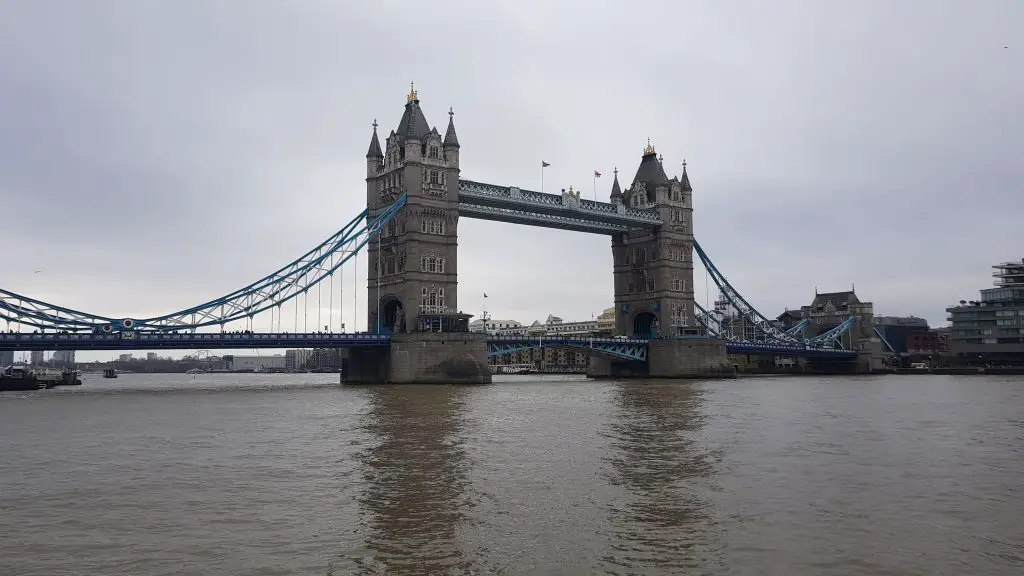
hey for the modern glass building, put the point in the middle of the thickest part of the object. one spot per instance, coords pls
(992, 328)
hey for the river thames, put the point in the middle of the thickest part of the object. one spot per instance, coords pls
(292, 474)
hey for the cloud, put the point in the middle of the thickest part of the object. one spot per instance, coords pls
(155, 154)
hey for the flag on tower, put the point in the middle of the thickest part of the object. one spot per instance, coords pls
(544, 164)
(597, 174)
(485, 294)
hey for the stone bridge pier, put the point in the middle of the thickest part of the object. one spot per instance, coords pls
(421, 358)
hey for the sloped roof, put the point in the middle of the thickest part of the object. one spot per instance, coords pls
(413, 123)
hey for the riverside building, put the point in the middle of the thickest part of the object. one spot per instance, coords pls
(991, 329)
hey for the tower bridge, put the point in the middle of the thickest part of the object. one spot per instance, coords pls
(415, 198)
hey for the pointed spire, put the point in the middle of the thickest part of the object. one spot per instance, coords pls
(374, 151)
(413, 123)
(685, 179)
(616, 189)
(450, 139)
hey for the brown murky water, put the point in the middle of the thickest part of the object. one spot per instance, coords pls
(271, 475)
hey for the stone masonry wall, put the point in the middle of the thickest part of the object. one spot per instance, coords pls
(689, 358)
(439, 357)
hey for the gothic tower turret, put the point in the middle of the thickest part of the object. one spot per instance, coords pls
(416, 261)
(374, 156)
(451, 140)
(616, 195)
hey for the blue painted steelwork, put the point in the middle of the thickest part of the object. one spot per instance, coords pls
(487, 201)
(619, 348)
(764, 330)
(564, 211)
(153, 340)
(826, 342)
(831, 338)
(800, 328)
(884, 341)
(467, 210)
(636, 348)
(790, 351)
(270, 291)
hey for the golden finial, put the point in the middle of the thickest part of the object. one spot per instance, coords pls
(412, 93)
(648, 149)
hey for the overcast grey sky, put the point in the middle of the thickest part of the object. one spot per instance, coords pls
(157, 153)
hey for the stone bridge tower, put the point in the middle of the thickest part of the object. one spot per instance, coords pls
(654, 267)
(417, 251)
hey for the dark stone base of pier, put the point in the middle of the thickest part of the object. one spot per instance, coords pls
(365, 366)
(421, 358)
(670, 358)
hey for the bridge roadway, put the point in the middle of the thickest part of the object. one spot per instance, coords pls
(621, 348)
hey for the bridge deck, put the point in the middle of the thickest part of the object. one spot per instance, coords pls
(631, 348)
(187, 341)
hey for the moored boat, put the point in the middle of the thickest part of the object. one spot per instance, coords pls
(19, 379)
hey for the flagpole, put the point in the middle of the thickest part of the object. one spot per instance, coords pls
(595, 186)
(542, 175)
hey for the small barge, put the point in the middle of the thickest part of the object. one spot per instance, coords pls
(24, 378)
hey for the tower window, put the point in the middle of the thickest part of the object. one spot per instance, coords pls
(432, 226)
(432, 264)
(433, 151)
(679, 316)
(432, 300)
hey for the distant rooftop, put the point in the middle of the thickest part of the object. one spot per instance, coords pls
(1009, 273)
